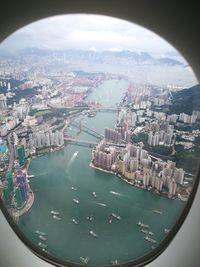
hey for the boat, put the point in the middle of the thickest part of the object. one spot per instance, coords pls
(30, 176)
(74, 221)
(56, 217)
(110, 221)
(166, 231)
(94, 194)
(73, 188)
(89, 218)
(150, 239)
(116, 216)
(42, 237)
(39, 232)
(157, 211)
(55, 212)
(93, 233)
(143, 225)
(146, 232)
(42, 245)
(84, 260)
(76, 201)
(44, 249)
(115, 262)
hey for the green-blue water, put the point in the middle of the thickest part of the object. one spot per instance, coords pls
(57, 172)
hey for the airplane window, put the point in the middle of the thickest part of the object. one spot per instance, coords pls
(99, 139)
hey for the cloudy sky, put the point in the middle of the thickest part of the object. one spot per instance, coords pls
(86, 32)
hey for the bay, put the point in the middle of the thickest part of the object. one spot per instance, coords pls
(55, 175)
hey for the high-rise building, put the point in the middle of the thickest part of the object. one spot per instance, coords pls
(21, 155)
(56, 138)
(47, 139)
(6, 195)
(19, 199)
(9, 180)
(172, 188)
(3, 103)
(134, 164)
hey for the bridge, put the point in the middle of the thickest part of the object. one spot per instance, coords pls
(87, 130)
(108, 109)
(80, 142)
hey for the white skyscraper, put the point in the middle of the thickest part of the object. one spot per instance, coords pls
(47, 139)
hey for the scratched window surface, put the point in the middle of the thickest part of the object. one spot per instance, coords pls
(99, 137)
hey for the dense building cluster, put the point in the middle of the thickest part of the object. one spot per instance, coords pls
(42, 139)
(138, 167)
(16, 188)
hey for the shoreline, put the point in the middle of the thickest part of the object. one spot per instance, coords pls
(31, 197)
(136, 186)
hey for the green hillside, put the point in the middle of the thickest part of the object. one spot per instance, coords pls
(186, 100)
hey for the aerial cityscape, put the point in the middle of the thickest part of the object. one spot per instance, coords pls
(110, 156)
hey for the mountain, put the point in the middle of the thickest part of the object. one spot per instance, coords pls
(186, 100)
(107, 57)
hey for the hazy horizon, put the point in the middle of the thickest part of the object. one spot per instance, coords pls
(88, 32)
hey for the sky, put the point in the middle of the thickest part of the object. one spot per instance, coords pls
(88, 32)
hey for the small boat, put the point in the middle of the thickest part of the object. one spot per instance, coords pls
(55, 212)
(89, 218)
(146, 232)
(93, 233)
(84, 260)
(143, 225)
(116, 216)
(44, 249)
(157, 211)
(73, 188)
(42, 237)
(30, 176)
(74, 221)
(39, 232)
(56, 217)
(110, 221)
(76, 201)
(150, 239)
(42, 245)
(166, 231)
(94, 194)
(115, 262)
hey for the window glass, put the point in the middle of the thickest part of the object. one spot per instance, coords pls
(99, 137)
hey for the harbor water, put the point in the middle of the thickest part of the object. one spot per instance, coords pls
(55, 174)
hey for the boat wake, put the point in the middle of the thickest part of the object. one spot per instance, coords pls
(100, 204)
(115, 193)
(72, 159)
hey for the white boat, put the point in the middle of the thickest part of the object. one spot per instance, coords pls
(84, 260)
(30, 176)
(93, 233)
(39, 232)
(146, 232)
(94, 194)
(143, 225)
(56, 217)
(115, 262)
(110, 221)
(74, 221)
(157, 211)
(42, 245)
(89, 218)
(55, 212)
(116, 216)
(73, 188)
(150, 239)
(166, 230)
(42, 237)
(76, 201)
